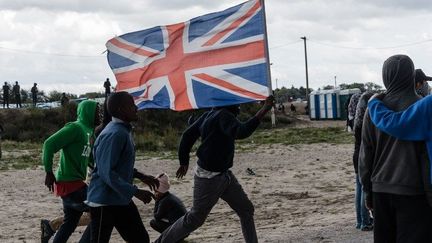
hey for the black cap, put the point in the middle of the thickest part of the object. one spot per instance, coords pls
(420, 76)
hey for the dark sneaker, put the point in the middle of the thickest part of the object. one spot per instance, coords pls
(250, 171)
(46, 231)
(368, 227)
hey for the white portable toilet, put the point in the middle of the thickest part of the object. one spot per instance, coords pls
(314, 105)
(329, 104)
(324, 104)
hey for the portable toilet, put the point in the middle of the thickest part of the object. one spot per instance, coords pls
(344, 97)
(328, 104)
(314, 105)
(324, 104)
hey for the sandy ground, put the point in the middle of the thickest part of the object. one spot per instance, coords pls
(301, 193)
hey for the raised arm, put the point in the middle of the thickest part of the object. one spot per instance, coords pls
(414, 123)
(240, 130)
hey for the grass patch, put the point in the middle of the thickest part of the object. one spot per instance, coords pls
(23, 155)
(290, 136)
(13, 145)
(20, 155)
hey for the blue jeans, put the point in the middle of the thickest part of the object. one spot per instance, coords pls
(73, 208)
(363, 217)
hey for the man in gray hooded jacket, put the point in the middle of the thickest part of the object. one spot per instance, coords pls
(392, 170)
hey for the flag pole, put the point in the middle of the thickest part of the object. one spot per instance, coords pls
(266, 49)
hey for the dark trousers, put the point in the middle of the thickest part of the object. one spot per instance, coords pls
(205, 195)
(159, 225)
(399, 218)
(126, 219)
(73, 208)
(18, 101)
(6, 101)
(34, 98)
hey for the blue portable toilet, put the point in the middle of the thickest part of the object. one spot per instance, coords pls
(314, 103)
(326, 104)
(329, 104)
(330, 108)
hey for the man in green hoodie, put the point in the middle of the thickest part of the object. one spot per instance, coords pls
(74, 143)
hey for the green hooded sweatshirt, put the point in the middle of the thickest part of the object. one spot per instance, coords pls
(74, 142)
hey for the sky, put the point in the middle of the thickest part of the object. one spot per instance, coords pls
(59, 44)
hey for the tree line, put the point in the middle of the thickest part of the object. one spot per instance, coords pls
(289, 94)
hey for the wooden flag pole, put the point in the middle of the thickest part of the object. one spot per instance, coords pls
(266, 49)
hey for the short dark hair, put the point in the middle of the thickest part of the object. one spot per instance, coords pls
(115, 101)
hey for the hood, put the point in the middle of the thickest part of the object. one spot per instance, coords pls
(234, 109)
(398, 75)
(86, 112)
(398, 78)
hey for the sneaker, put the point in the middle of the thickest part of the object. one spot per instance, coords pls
(368, 227)
(46, 231)
(250, 171)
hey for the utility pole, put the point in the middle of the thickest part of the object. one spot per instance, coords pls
(307, 76)
(335, 82)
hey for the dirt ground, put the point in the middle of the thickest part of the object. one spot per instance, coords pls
(301, 193)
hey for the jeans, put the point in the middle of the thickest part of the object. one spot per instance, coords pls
(363, 217)
(73, 208)
(206, 194)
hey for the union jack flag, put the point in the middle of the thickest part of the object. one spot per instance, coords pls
(212, 60)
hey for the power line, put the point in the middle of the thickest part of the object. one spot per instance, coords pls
(283, 45)
(92, 56)
(273, 47)
(371, 48)
(48, 54)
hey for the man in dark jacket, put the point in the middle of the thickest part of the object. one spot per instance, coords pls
(218, 129)
(17, 92)
(391, 170)
(107, 86)
(6, 90)
(34, 91)
(364, 221)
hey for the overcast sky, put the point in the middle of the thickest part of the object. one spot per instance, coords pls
(58, 43)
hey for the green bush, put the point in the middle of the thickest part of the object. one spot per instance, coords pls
(155, 130)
